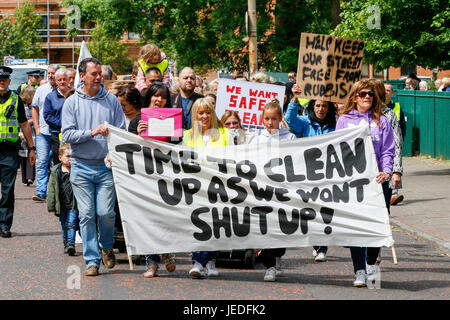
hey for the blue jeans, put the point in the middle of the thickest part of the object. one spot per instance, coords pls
(93, 187)
(69, 221)
(9, 162)
(203, 257)
(43, 149)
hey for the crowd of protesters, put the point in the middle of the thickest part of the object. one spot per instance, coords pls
(73, 172)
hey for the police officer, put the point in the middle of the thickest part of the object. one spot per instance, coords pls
(33, 80)
(12, 117)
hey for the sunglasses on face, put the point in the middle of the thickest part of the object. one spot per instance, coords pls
(362, 94)
(234, 123)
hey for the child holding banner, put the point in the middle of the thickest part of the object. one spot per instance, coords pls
(272, 117)
(206, 131)
(320, 118)
(364, 105)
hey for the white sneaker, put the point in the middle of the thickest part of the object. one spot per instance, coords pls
(278, 269)
(372, 273)
(270, 275)
(197, 271)
(320, 257)
(211, 269)
(360, 279)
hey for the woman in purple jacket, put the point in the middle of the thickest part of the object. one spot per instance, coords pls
(364, 105)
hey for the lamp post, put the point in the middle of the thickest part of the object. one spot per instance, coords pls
(253, 38)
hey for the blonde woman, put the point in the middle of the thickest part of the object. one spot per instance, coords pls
(206, 131)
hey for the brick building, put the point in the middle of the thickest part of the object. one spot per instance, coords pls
(56, 45)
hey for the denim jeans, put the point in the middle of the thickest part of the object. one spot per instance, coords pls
(43, 148)
(9, 162)
(203, 257)
(69, 221)
(93, 187)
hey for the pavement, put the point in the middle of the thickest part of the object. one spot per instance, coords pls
(425, 210)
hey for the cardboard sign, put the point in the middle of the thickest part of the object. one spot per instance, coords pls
(328, 66)
(247, 99)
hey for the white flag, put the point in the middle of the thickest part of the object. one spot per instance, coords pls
(84, 53)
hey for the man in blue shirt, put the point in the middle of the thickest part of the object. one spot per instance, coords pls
(186, 98)
(53, 104)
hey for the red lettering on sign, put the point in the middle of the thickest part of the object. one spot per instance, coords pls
(261, 104)
(243, 103)
(261, 120)
(254, 120)
(252, 103)
(233, 101)
(246, 119)
(253, 93)
(234, 89)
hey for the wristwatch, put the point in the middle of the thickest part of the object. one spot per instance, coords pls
(33, 148)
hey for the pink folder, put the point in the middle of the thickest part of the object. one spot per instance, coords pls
(161, 114)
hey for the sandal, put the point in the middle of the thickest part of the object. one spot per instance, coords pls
(169, 261)
(152, 271)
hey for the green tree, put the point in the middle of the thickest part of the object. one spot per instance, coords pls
(411, 32)
(109, 51)
(18, 36)
(207, 34)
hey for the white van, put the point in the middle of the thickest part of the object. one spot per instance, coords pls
(21, 67)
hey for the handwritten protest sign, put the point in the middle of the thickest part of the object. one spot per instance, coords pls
(313, 191)
(328, 66)
(247, 99)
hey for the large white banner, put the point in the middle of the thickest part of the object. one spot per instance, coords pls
(247, 99)
(310, 191)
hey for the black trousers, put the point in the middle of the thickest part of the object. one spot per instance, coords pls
(9, 163)
(269, 256)
(54, 143)
(359, 253)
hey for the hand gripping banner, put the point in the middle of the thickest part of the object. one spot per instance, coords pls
(298, 193)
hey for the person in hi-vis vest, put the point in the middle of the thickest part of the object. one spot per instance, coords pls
(12, 119)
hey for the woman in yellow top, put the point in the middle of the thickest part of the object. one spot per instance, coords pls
(206, 131)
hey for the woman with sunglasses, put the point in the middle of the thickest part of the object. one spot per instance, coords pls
(238, 135)
(365, 105)
(157, 96)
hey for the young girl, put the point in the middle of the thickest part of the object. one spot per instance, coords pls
(238, 135)
(272, 117)
(151, 57)
(206, 131)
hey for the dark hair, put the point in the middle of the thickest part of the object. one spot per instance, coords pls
(155, 88)
(287, 93)
(154, 69)
(132, 95)
(211, 95)
(413, 76)
(83, 64)
(330, 118)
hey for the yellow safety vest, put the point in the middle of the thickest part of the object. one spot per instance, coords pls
(9, 126)
(221, 142)
(24, 85)
(397, 110)
(162, 66)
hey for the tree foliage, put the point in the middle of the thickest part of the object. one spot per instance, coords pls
(18, 36)
(109, 51)
(411, 32)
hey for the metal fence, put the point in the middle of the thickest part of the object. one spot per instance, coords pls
(427, 122)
